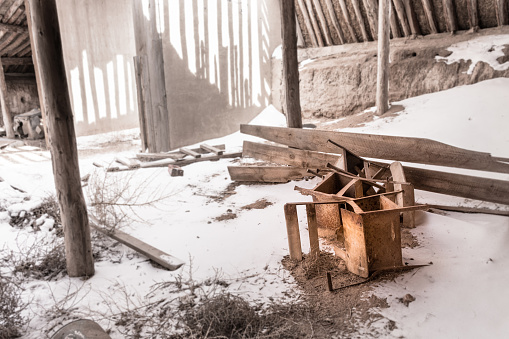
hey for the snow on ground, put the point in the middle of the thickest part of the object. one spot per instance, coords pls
(486, 49)
(461, 295)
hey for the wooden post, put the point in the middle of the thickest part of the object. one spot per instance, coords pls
(323, 23)
(149, 48)
(307, 21)
(347, 20)
(360, 19)
(400, 9)
(335, 22)
(501, 7)
(428, 9)
(316, 28)
(47, 54)
(382, 86)
(473, 15)
(6, 112)
(450, 18)
(291, 101)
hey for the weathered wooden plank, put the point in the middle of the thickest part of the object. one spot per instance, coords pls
(334, 19)
(48, 55)
(162, 258)
(212, 149)
(412, 18)
(183, 162)
(371, 7)
(292, 228)
(396, 33)
(400, 10)
(360, 19)
(316, 28)
(291, 95)
(307, 22)
(138, 77)
(450, 16)
(428, 10)
(418, 150)
(13, 28)
(313, 231)
(473, 15)
(176, 154)
(346, 16)
(405, 198)
(382, 83)
(289, 156)
(323, 22)
(190, 152)
(464, 209)
(275, 174)
(17, 61)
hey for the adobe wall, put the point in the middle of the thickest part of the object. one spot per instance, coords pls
(341, 80)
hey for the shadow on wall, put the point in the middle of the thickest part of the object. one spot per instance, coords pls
(98, 44)
(217, 64)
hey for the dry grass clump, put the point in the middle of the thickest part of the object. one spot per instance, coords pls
(11, 306)
(41, 261)
(229, 316)
(317, 266)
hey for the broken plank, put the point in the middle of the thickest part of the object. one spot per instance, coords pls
(408, 149)
(275, 174)
(212, 149)
(174, 154)
(288, 156)
(183, 162)
(190, 152)
(470, 210)
(164, 259)
(128, 162)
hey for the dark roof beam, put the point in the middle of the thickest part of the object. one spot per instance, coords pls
(17, 61)
(14, 28)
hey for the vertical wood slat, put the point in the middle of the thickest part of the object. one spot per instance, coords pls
(412, 18)
(360, 19)
(307, 21)
(382, 88)
(138, 75)
(6, 112)
(291, 100)
(371, 7)
(346, 16)
(334, 20)
(400, 10)
(316, 28)
(428, 10)
(300, 37)
(292, 229)
(450, 17)
(313, 231)
(396, 33)
(473, 15)
(48, 56)
(501, 9)
(323, 22)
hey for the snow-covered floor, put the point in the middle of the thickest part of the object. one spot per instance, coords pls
(461, 295)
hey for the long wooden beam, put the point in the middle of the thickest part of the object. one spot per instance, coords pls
(334, 19)
(400, 10)
(275, 174)
(17, 61)
(501, 10)
(316, 28)
(412, 18)
(473, 15)
(346, 16)
(14, 28)
(323, 23)
(450, 16)
(396, 33)
(360, 19)
(371, 7)
(428, 9)
(407, 149)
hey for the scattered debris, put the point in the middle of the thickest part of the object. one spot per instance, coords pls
(407, 299)
(175, 171)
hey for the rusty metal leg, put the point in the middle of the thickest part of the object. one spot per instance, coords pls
(313, 231)
(292, 227)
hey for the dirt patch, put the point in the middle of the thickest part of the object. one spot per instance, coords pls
(257, 205)
(408, 239)
(226, 216)
(342, 312)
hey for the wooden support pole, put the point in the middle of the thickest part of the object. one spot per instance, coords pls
(291, 102)
(335, 22)
(316, 28)
(323, 23)
(501, 9)
(307, 21)
(48, 55)
(292, 229)
(428, 10)
(396, 33)
(313, 231)
(412, 18)
(382, 85)
(346, 16)
(473, 15)
(372, 14)
(400, 10)
(6, 112)
(450, 17)
(360, 19)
